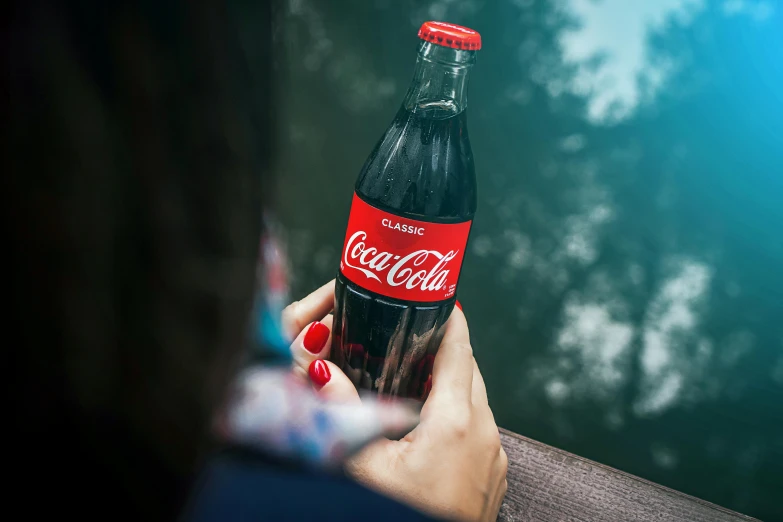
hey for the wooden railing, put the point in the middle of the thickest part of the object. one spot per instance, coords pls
(547, 484)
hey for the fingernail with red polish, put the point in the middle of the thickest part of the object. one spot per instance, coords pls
(458, 305)
(315, 338)
(319, 372)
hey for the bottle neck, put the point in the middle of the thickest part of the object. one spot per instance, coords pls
(440, 82)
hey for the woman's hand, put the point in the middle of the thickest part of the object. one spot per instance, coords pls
(452, 465)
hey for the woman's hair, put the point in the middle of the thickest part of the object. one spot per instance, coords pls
(139, 135)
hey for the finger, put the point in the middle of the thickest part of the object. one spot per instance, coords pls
(478, 394)
(457, 328)
(314, 342)
(480, 401)
(299, 314)
(502, 464)
(332, 383)
(500, 493)
(452, 373)
(498, 487)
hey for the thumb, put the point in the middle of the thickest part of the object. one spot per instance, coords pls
(331, 383)
(452, 373)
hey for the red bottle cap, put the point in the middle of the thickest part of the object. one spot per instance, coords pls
(450, 35)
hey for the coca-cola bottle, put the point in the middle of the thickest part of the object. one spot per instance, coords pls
(408, 227)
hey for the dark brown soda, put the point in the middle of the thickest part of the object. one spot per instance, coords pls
(422, 169)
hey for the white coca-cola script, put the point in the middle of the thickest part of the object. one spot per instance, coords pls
(392, 256)
(404, 270)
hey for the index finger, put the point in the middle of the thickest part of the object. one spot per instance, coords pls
(314, 307)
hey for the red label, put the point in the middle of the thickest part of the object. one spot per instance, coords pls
(402, 258)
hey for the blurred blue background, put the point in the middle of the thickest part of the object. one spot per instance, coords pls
(624, 281)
